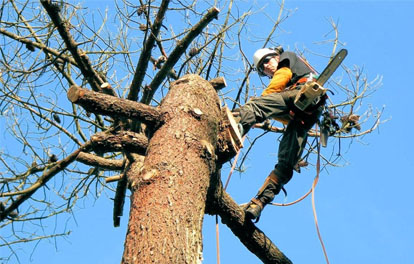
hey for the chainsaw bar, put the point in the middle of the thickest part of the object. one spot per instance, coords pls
(332, 66)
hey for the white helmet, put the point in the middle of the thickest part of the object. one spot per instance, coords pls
(260, 54)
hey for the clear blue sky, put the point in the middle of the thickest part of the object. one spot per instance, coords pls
(364, 208)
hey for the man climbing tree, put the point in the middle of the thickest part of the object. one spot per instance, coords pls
(291, 79)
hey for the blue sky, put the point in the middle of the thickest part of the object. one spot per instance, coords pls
(364, 208)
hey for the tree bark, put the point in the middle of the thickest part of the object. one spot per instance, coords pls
(169, 193)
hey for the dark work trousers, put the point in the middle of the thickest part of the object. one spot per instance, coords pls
(294, 138)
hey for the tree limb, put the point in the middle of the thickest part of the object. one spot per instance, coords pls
(47, 175)
(219, 202)
(119, 141)
(93, 160)
(112, 106)
(40, 46)
(119, 199)
(81, 58)
(144, 58)
(175, 55)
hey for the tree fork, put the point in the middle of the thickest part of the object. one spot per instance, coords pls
(175, 55)
(146, 52)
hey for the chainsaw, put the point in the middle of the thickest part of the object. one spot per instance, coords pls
(312, 92)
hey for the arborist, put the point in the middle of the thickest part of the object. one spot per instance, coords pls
(288, 73)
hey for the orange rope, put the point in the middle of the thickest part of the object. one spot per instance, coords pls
(318, 169)
(217, 241)
(315, 181)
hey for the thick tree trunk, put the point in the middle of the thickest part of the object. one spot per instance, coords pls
(169, 193)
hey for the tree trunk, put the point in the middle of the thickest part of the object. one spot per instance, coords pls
(169, 192)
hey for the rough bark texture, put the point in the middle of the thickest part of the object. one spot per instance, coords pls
(169, 194)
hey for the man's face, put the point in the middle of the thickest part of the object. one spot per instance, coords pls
(270, 65)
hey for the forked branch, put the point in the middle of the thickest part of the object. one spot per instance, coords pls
(175, 55)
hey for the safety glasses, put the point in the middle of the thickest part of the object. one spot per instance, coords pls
(264, 61)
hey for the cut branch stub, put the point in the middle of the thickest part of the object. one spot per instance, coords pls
(120, 141)
(218, 83)
(100, 103)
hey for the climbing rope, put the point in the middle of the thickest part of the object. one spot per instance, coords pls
(217, 241)
(225, 187)
(318, 170)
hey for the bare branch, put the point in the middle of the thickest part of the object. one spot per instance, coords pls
(93, 160)
(175, 55)
(47, 175)
(119, 199)
(114, 178)
(145, 56)
(41, 46)
(81, 58)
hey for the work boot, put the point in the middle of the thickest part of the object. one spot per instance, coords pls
(253, 210)
(265, 196)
